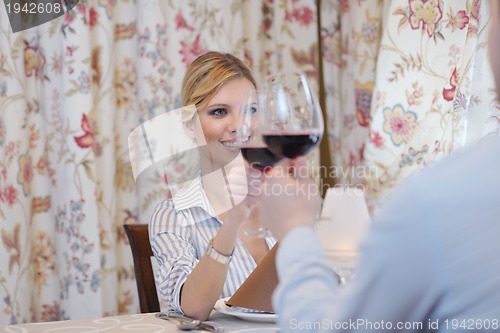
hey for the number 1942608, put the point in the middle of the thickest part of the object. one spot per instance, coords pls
(471, 324)
(34, 8)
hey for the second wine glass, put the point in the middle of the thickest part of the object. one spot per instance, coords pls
(293, 121)
(249, 136)
(253, 148)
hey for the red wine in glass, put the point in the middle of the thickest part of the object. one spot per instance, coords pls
(292, 144)
(260, 158)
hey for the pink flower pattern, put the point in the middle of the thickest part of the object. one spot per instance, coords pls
(458, 21)
(400, 124)
(93, 17)
(304, 15)
(10, 195)
(181, 23)
(190, 52)
(426, 13)
(449, 93)
(376, 139)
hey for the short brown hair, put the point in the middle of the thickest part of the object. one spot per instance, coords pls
(208, 73)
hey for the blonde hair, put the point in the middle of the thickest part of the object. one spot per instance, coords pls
(208, 73)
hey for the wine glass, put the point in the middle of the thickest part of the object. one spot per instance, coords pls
(343, 224)
(253, 148)
(248, 134)
(293, 121)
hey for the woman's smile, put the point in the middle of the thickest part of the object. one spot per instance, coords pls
(230, 144)
(219, 121)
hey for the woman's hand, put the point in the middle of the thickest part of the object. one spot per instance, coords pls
(244, 186)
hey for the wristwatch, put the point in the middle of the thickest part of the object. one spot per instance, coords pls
(216, 255)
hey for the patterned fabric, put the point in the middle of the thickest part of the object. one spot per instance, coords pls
(180, 231)
(407, 83)
(71, 91)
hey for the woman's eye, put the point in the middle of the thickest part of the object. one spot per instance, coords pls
(253, 109)
(218, 112)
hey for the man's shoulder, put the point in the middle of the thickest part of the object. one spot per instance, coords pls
(474, 163)
(451, 184)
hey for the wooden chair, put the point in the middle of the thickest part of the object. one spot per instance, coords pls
(141, 252)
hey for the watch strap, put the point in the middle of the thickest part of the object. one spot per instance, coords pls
(217, 256)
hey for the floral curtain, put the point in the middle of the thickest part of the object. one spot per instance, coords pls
(408, 82)
(71, 91)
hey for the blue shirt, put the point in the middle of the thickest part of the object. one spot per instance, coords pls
(431, 261)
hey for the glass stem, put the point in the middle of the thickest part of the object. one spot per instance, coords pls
(258, 230)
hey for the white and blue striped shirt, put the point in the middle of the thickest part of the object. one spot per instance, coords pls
(179, 231)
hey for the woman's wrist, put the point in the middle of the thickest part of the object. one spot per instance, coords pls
(216, 255)
(225, 240)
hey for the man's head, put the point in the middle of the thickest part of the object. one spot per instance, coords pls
(494, 42)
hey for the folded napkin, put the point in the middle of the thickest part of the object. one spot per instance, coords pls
(257, 290)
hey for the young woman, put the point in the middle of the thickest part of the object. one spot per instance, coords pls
(202, 251)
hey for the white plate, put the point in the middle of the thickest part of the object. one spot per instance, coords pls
(221, 307)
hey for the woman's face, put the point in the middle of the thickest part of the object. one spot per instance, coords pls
(219, 119)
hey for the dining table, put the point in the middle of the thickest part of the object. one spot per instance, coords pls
(143, 322)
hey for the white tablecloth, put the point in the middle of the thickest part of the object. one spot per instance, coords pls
(143, 323)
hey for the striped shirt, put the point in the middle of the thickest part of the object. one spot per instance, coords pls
(179, 231)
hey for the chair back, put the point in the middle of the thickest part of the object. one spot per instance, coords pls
(141, 252)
